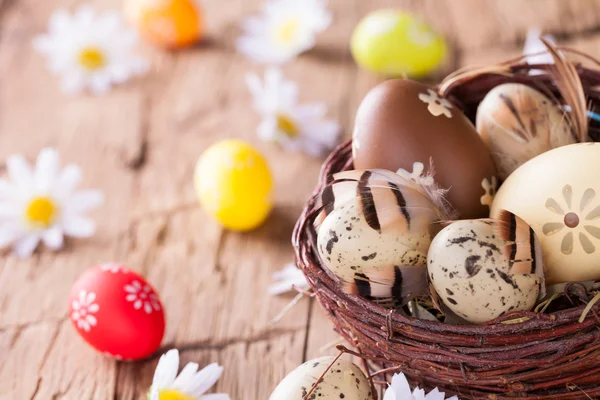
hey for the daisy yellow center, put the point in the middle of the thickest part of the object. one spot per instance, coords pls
(41, 211)
(287, 126)
(169, 394)
(91, 58)
(288, 31)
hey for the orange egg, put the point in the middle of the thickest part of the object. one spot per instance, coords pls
(167, 23)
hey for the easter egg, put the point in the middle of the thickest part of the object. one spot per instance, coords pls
(117, 312)
(482, 269)
(401, 124)
(374, 233)
(558, 194)
(344, 380)
(234, 185)
(167, 23)
(517, 123)
(397, 43)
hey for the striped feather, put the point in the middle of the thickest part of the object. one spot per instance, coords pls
(389, 287)
(522, 248)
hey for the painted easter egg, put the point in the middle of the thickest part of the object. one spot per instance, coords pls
(517, 123)
(117, 312)
(396, 43)
(482, 269)
(234, 185)
(167, 23)
(558, 194)
(374, 232)
(402, 122)
(344, 380)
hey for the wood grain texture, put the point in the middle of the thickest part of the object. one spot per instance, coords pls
(139, 145)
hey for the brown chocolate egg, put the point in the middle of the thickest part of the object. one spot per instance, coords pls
(402, 122)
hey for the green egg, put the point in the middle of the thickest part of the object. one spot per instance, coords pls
(396, 43)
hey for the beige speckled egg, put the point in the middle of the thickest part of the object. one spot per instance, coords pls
(517, 123)
(343, 381)
(479, 274)
(558, 194)
(376, 234)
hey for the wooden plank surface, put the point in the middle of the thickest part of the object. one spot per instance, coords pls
(139, 145)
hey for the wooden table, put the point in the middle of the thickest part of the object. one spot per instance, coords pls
(139, 145)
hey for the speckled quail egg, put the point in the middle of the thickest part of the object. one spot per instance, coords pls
(344, 380)
(376, 233)
(482, 269)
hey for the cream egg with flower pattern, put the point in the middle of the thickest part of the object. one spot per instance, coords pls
(190, 384)
(90, 51)
(296, 127)
(558, 194)
(43, 205)
(283, 30)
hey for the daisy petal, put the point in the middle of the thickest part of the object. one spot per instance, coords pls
(400, 385)
(166, 370)
(46, 169)
(58, 20)
(100, 84)
(26, 245)
(390, 395)
(9, 232)
(204, 379)
(185, 377)
(215, 396)
(68, 180)
(10, 209)
(19, 172)
(85, 200)
(80, 227)
(53, 238)
(7, 189)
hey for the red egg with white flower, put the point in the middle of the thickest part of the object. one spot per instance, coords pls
(117, 312)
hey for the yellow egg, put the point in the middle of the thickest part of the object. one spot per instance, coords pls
(234, 184)
(167, 23)
(558, 194)
(397, 43)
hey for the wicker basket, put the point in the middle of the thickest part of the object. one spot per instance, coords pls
(522, 355)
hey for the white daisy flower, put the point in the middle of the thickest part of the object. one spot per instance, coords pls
(288, 279)
(285, 29)
(41, 204)
(294, 126)
(90, 51)
(191, 384)
(400, 390)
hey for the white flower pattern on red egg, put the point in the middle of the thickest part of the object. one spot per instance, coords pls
(576, 219)
(83, 308)
(142, 297)
(436, 105)
(113, 268)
